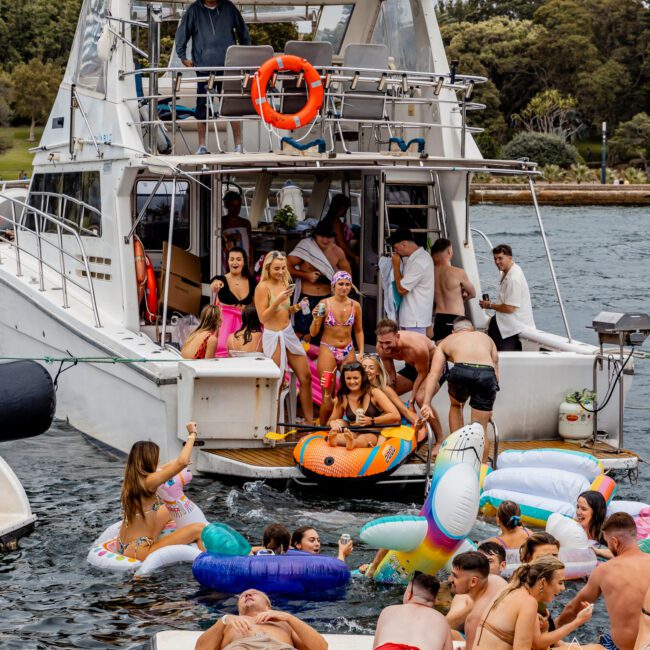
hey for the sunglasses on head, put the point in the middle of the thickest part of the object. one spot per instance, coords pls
(355, 365)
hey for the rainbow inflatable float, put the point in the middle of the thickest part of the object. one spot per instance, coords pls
(425, 543)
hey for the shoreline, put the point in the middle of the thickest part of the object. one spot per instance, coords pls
(568, 194)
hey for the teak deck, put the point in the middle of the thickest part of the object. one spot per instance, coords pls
(283, 456)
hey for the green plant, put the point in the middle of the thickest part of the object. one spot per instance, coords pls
(285, 218)
(635, 176)
(542, 148)
(553, 173)
(581, 173)
(481, 177)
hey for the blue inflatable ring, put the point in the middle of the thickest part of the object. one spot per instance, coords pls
(295, 572)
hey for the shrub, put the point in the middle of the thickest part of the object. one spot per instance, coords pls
(541, 148)
(582, 174)
(5, 143)
(553, 173)
(635, 176)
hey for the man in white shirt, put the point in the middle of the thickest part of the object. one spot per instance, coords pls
(514, 313)
(414, 282)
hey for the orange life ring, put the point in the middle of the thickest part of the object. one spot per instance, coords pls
(140, 267)
(315, 92)
(151, 292)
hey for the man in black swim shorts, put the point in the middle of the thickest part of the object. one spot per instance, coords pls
(474, 376)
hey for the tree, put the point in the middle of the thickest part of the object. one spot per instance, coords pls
(474, 11)
(5, 98)
(35, 85)
(274, 34)
(543, 149)
(632, 140)
(551, 113)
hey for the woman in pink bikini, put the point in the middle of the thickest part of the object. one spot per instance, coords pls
(338, 316)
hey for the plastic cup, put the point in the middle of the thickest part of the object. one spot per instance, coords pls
(304, 307)
(328, 378)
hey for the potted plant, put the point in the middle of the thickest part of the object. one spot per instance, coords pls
(285, 218)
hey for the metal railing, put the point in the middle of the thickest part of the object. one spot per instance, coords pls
(62, 209)
(393, 87)
(20, 213)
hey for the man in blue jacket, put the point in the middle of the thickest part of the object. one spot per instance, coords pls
(213, 26)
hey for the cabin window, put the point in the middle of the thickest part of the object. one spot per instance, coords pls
(153, 228)
(333, 24)
(394, 28)
(72, 197)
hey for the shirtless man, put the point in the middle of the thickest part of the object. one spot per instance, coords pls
(416, 350)
(643, 638)
(623, 581)
(258, 627)
(414, 624)
(475, 375)
(453, 289)
(474, 587)
(315, 283)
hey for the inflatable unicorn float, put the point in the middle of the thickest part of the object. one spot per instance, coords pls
(425, 543)
(104, 554)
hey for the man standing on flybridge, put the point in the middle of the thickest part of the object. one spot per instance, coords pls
(213, 26)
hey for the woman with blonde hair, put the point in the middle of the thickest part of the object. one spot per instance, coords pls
(511, 619)
(279, 340)
(145, 516)
(202, 342)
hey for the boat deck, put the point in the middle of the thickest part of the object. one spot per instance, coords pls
(278, 462)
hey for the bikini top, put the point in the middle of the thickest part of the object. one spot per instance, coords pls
(272, 298)
(331, 321)
(510, 547)
(200, 353)
(371, 411)
(227, 297)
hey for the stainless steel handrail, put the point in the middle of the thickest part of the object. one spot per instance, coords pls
(19, 226)
(495, 451)
(484, 236)
(63, 204)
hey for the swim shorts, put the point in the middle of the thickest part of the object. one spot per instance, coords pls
(409, 372)
(606, 641)
(396, 646)
(475, 381)
(443, 326)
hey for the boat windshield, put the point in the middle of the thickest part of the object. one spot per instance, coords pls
(394, 28)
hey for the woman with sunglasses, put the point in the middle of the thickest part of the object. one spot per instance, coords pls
(279, 341)
(338, 316)
(358, 404)
(378, 378)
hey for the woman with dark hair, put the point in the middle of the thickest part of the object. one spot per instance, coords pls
(247, 340)
(512, 534)
(358, 403)
(276, 538)
(591, 512)
(306, 539)
(538, 545)
(335, 217)
(202, 342)
(237, 287)
(511, 621)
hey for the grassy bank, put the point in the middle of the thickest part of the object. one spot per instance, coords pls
(18, 158)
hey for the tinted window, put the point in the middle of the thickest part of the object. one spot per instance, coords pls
(153, 228)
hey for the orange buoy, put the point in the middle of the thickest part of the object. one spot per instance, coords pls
(140, 267)
(151, 293)
(315, 93)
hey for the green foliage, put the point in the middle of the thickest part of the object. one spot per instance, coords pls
(6, 87)
(285, 218)
(632, 140)
(582, 174)
(474, 11)
(274, 34)
(543, 149)
(550, 112)
(635, 176)
(35, 85)
(553, 173)
(18, 156)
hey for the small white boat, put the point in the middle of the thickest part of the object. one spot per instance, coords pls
(16, 517)
(185, 640)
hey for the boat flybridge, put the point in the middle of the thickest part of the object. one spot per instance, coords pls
(116, 161)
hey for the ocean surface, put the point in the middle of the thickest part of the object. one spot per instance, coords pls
(51, 598)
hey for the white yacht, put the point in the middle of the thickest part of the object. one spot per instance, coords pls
(117, 160)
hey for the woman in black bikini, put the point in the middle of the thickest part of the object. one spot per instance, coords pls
(144, 514)
(236, 288)
(511, 620)
(358, 403)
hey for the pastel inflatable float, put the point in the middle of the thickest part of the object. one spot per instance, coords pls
(226, 566)
(449, 513)
(543, 481)
(104, 553)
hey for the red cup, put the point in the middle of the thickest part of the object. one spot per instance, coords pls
(328, 378)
